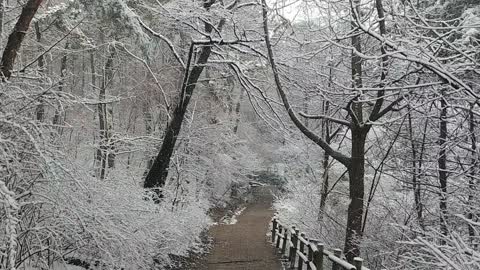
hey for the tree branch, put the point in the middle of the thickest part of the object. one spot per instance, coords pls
(51, 47)
(445, 75)
(166, 40)
(387, 109)
(345, 160)
(381, 93)
(326, 117)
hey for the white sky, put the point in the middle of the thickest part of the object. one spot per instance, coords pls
(296, 10)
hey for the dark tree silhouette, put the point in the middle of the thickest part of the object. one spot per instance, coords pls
(16, 37)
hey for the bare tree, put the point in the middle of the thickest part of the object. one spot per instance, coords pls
(358, 123)
(106, 153)
(416, 170)
(442, 164)
(158, 173)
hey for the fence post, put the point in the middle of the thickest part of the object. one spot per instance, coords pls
(285, 239)
(357, 261)
(280, 227)
(337, 253)
(318, 257)
(274, 228)
(302, 249)
(290, 245)
(310, 255)
(293, 248)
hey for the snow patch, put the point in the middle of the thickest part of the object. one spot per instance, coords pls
(231, 220)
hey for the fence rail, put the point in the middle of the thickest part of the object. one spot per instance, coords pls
(304, 253)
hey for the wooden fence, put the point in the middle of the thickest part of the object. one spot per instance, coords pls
(308, 254)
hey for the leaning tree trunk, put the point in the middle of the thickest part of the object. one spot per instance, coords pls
(158, 173)
(16, 37)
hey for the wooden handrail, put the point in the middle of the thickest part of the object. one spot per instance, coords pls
(302, 239)
(336, 259)
(308, 252)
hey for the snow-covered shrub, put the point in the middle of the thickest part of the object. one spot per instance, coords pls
(425, 252)
(53, 211)
(299, 205)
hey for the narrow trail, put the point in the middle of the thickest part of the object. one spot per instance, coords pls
(244, 245)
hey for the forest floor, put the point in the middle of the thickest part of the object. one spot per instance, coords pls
(244, 245)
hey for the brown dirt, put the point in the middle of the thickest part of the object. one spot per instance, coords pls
(244, 245)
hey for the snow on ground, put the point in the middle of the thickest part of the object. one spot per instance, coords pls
(230, 220)
(56, 266)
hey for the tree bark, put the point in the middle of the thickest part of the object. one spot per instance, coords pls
(237, 111)
(415, 173)
(442, 167)
(359, 132)
(105, 153)
(326, 156)
(2, 14)
(57, 118)
(472, 182)
(325, 176)
(40, 109)
(305, 106)
(355, 163)
(158, 173)
(356, 175)
(16, 38)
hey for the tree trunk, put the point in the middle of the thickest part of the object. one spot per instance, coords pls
(40, 109)
(16, 37)
(325, 178)
(57, 118)
(158, 174)
(2, 14)
(416, 171)
(442, 167)
(105, 153)
(326, 156)
(356, 175)
(237, 111)
(305, 106)
(472, 183)
(111, 155)
(356, 171)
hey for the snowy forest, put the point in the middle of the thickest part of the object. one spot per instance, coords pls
(125, 124)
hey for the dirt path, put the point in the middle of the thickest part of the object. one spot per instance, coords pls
(244, 246)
